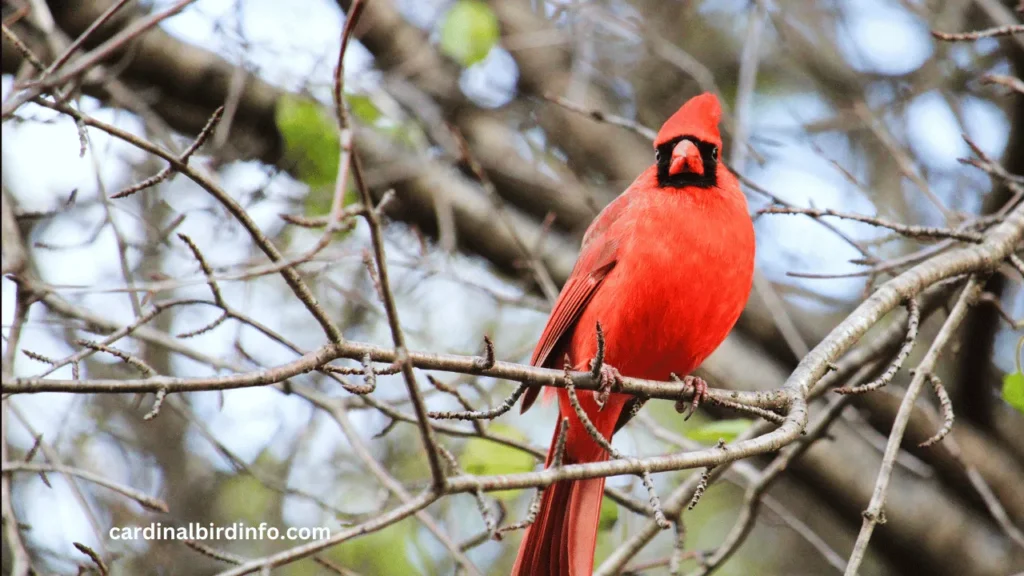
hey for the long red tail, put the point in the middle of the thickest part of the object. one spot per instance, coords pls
(562, 538)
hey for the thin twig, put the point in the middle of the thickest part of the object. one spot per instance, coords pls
(486, 362)
(450, 390)
(169, 170)
(339, 411)
(702, 485)
(874, 513)
(904, 229)
(207, 271)
(604, 117)
(1011, 82)
(994, 301)
(89, 61)
(484, 536)
(556, 461)
(946, 407)
(654, 501)
(211, 552)
(373, 220)
(148, 502)
(581, 414)
(979, 34)
(752, 410)
(158, 402)
(903, 161)
(481, 503)
(21, 562)
(752, 498)
(380, 522)
(101, 566)
(992, 503)
(70, 50)
(1017, 263)
(678, 549)
(540, 272)
(317, 359)
(913, 320)
(20, 46)
(200, 177)
(126, 357)
(584, 419)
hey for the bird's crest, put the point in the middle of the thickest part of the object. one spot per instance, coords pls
(697, 118)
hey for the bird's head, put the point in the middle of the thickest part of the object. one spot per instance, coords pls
(687, 146)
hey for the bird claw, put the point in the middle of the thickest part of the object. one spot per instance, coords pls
(700, 393)
(608, 376)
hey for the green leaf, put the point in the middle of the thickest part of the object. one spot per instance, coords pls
(726, 430)
(312, 147)
(469, 31)
(363, 108)
(243, 498)
(386, 551)
(311, 142)
(1013, 390)
(609, 514)
(484, 457)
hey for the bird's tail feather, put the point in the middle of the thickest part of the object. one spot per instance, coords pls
(563, 536)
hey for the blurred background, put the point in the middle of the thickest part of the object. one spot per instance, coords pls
(853, 106)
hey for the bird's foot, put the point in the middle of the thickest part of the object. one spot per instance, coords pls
(608, 376)
(700, 393)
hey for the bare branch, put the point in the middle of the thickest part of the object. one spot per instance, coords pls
(913, 320)
(979, 34)
(606, 118)
(100, 565)
(874, 514)
(947, 411)
(292, 278)
(290, 555)
(556, 461)
(21, 563)
(148, 502)
(167, 172)
(904, 229)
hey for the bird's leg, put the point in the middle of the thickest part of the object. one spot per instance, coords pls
(700, 393)
(608, 376)
(603, 373)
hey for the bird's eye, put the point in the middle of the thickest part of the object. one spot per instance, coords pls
(657, 156)
(714, 152)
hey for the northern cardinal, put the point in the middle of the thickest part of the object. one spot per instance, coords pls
(666, 270)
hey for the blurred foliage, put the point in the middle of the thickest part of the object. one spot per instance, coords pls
(363, 108)
(1013, 390)
(244, 499)
(484, 457)
(403, 456)
(310, 140)
(726, 430)
(609, 514)
(312, 145)
(385, 552)
(468, 31)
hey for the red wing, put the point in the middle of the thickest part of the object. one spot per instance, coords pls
(597, 258)
(573, 299)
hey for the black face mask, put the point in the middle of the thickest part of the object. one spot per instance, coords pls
(708, 157)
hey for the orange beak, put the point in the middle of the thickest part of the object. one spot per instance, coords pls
(686, 158)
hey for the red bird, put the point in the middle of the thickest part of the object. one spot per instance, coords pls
(666, 270)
